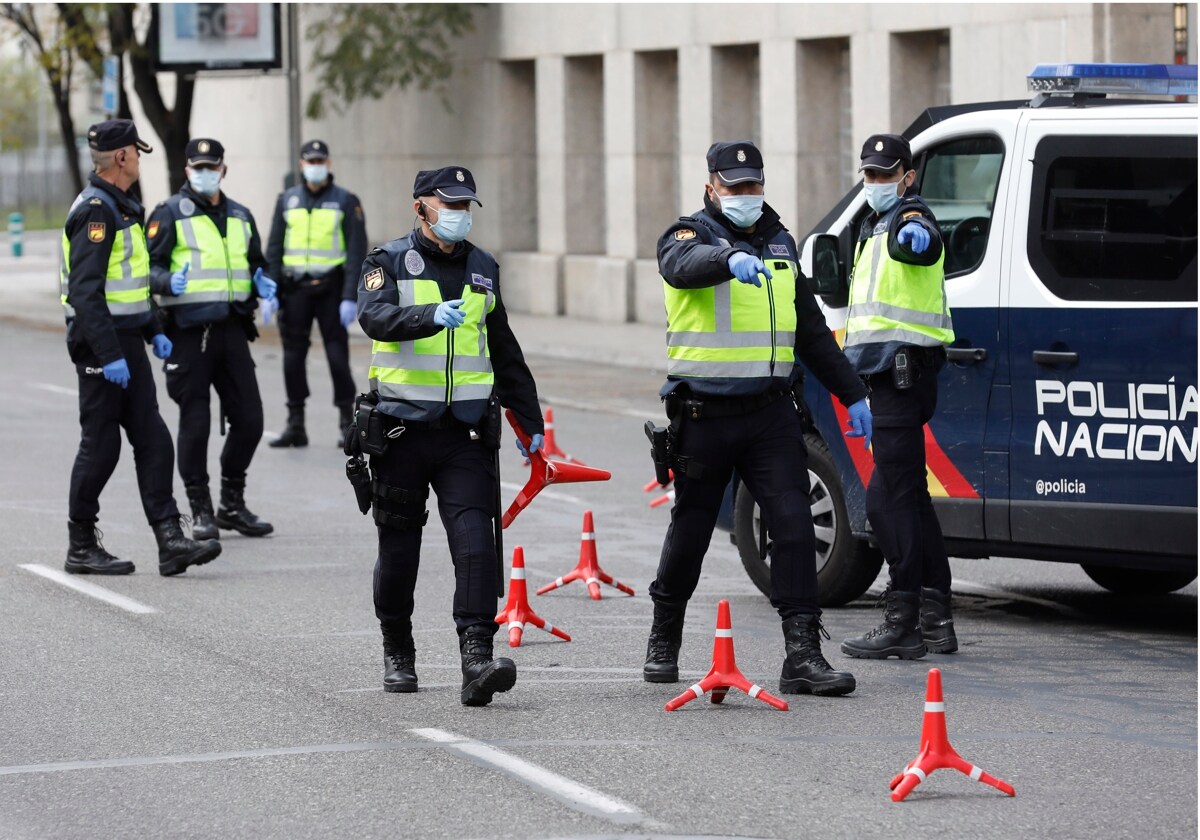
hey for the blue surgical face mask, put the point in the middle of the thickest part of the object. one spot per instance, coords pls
(882, 197)
(315, 173)
(742, 210)
(451, 225)
(205, 181)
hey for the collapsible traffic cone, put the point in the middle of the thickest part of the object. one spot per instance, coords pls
(653, 485)
(724, 673)
(936, 752)
(588, 569)
(543, 472)
(550, 445)
(517, 612)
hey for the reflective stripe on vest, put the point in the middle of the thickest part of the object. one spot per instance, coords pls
(219, 270)
(452, 366)
(895, 301)
(127, 282)
(733, 330)
(313, 242)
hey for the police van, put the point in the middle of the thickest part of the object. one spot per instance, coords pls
(1066, 426)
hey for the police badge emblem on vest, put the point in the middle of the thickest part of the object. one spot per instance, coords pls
(480, 284)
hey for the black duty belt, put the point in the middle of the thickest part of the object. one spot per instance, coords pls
(725, 406)
(926, 356)
(446, 421)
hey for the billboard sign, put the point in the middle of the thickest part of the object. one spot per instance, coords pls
(217, 36)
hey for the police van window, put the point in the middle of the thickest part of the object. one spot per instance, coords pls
(958, 180)
(1114, 218)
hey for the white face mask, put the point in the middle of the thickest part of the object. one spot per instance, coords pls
(316, 173)
(451, 225)
(205, 181)
(882, 197)
(742, 210)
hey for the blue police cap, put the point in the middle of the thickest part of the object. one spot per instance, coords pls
(314, 150)
(738, 162)
(204, 151)
(116, 134)
(450, 183)
(884, 151)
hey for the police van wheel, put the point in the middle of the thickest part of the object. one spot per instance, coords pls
(846, 566)
(1138, 581)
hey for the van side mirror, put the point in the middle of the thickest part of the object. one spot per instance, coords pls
(820, 263)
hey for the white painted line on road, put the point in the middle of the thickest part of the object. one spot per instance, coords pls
(89, 589)
(552, 495)
(591, 407)
(520, 681)
(56, 389)
(571, 793)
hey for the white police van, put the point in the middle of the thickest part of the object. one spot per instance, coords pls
(1066, 426)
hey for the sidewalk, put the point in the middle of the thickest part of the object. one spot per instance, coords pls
(29, 296)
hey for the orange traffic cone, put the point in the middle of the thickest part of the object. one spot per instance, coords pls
(517, 612)
(724, 673)
(588, 569)
(550, 444)
(669, 496)
(936, 752)
(543, 472)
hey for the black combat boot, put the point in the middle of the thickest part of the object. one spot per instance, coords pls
(233, 515)
(203, 525)
(662, 649)
(899, 635)
(482, 675)
(345, 418)
(805, 670)
(937, 627)
(399, 661)
(86, 556)
(294, 434)
(176, 552)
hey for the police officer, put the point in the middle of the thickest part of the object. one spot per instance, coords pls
(204, 247)
(896, 327)
(740, 319)
(106, 293)
(444, 360)
(317, 244)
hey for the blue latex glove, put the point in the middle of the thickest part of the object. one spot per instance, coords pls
(264, 285)
(179, 280)
(117, 372)
(914, 236)
(269, 307)
(448, 314)
(747, 267)
(162, 346)
(860, 423)
(535, 443)
(347, 311)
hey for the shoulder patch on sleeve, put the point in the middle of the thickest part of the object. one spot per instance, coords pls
(912, 213)
(152, 231)
(373, 280)
(358, 212)
(96, 231)
(684, 234)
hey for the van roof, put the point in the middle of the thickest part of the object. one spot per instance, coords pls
(932, 116)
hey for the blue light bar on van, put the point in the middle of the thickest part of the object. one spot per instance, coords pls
(1146, 79)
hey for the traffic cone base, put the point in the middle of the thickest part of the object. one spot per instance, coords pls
(936, 752)
(588, 569)
(517, 613)
(724, 673)
(543, 472)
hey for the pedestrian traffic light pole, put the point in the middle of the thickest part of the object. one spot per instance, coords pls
(293, 48)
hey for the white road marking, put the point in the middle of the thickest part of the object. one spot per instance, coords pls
(522, 681)
(592, 407)
(970, 587)
(89, 589)
(552, 495)
(567, 791)
(56, 389)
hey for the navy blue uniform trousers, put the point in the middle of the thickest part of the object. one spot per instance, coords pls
(766, 447)
(105, 409)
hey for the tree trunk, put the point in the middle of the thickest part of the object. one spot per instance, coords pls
(66, 127)
(172, 126)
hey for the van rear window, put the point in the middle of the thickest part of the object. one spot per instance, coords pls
(1114, 218)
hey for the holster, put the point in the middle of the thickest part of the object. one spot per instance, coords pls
(368, 426)
(359, 476)
(659, 452)
(491, 426)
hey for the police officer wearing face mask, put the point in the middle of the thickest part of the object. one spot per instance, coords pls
(896, 328)
(445, 359)
(110, 319)
(207, 267)
(740, 320)
(317, 244)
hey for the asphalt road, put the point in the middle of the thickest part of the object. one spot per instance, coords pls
(244, 699)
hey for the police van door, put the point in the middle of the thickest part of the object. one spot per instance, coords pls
(1102, 319)
(963, 181)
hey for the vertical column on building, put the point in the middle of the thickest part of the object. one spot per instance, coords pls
(777, 85)
(870, 75)
(614, 272)
(695, 122)
(546, 266)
